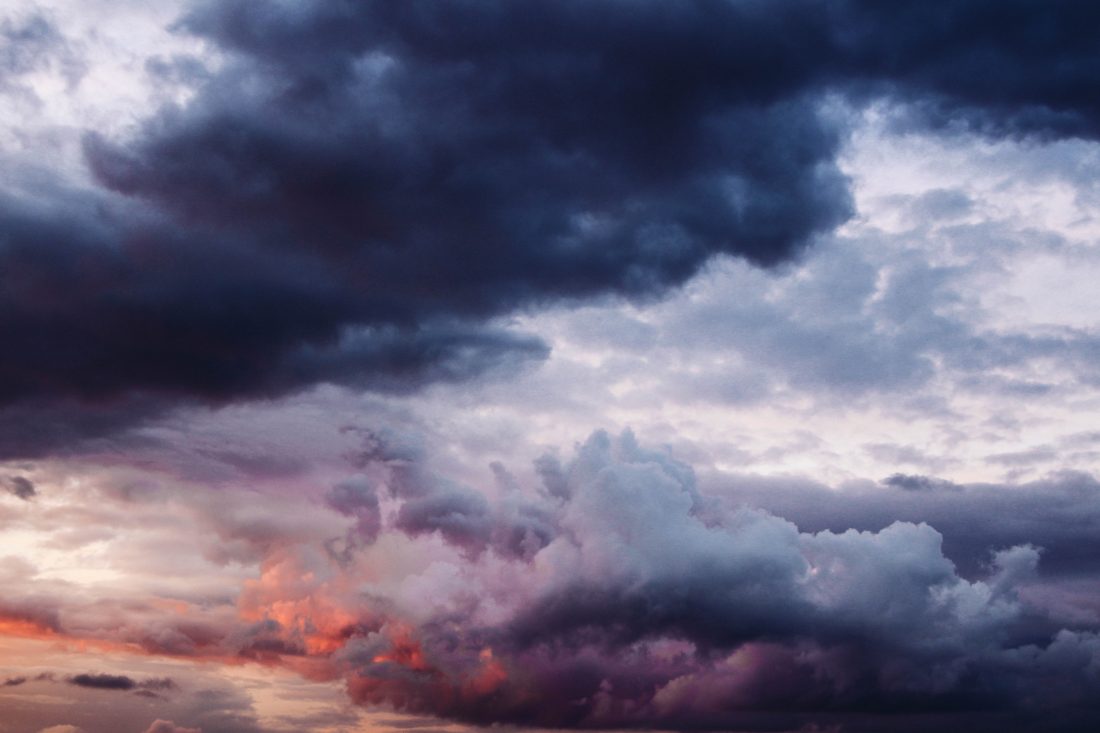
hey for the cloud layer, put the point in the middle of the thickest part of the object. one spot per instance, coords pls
(354, 187)
(615, 593)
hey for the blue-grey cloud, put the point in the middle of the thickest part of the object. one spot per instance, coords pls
(360, 186)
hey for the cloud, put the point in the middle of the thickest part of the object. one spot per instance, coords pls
(916, 482)
(626, 592)
(359, 187)
(19, 486)
(357, 498)
(1059, 512)
(30, 43)
(167, 726)
(1014, 69)
(653, 606)
(120, 682)
(103, 681)
(362, 194)
(287, 329)
(372, 242)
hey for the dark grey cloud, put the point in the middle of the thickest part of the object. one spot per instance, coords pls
(122, 682)
(111, 330)
(1003, 68)
(916, 482)
(360, 186)
(19, 486)
(103, 681)
(318, 228)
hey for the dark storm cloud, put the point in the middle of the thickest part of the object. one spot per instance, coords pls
(361, 185)
(1003, 68)
(113, 324)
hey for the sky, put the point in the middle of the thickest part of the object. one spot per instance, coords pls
(439, 367)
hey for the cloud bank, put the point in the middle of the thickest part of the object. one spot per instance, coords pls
(354, 188)
(616, 593)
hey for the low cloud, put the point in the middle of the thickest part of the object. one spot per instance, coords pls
(615, 589)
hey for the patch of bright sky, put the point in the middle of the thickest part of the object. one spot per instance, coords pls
(1025, 247)
(108, 89)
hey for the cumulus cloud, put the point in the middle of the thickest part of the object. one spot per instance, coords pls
(614, 588)
(654, 607)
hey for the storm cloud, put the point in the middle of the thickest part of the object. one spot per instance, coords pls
(356, 187)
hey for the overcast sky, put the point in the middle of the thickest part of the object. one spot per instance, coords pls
(550, 364)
